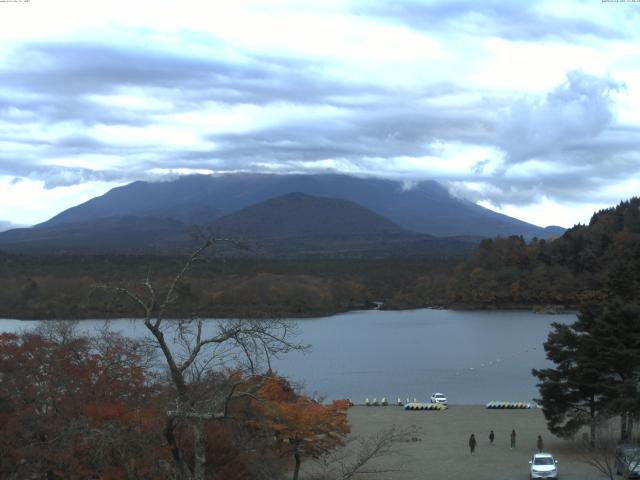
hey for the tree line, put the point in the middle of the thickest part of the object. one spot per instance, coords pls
(62, 286)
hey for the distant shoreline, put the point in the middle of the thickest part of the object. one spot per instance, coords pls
(539, 309)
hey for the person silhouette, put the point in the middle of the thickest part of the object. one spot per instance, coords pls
(539, 444)
(472, 443)
(492, 437)
(513, 438)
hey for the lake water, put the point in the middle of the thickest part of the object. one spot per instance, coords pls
(471, 356)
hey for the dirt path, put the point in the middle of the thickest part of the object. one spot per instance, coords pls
(443, 451)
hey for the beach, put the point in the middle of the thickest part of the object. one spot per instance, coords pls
(443, 451)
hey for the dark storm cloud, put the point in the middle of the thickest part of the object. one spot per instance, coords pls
(507, 19)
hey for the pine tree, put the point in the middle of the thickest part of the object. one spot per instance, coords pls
(597, 369)
(613, 329)
(571, 393)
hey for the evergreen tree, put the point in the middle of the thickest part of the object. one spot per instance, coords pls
(613, 329)
(597, 369)
(571, 393)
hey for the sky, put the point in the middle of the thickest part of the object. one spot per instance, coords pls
(531, 109)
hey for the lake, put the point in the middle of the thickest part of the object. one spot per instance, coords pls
(471, 356)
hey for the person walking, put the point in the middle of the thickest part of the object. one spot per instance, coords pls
(540, 445)
(492, 437)
(472, 443)
(513, 438)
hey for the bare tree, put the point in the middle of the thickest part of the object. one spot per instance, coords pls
(608, 456)
(61, 331)
(358, 458)
(195, 352)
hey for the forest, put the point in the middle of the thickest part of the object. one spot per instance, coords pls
(504, 272)
(63, 286)
(566, 271)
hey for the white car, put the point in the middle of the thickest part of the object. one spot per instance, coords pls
(628, 461)
(543, 465)
(438, 398)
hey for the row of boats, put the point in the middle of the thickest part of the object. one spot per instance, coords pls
(508, 405)
(384, 402)
(425, 406)
(416, 405)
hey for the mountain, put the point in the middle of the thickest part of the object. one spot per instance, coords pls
(291, 225)
(426, 208)
(301, 225)
(301, 215)
(126, 233)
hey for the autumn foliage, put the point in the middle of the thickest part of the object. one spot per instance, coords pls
(80, 408)
(70, 409)
(302, 427)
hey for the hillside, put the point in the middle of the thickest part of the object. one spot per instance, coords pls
(301, 215)
(125, 233)
(425, 208)
(580, 265)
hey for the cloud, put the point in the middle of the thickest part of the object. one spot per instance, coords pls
(384, 131)
(562, 148)
(75, 72)
(143, 109)
(52, 177)
(578, 110)
(570, 177)
(6, 225)
(509, 20)
(65, 177)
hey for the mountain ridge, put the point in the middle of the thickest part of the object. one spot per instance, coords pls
(427, 208)
(293, 225)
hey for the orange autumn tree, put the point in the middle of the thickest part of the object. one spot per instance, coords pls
(71, 409)
(302, 427)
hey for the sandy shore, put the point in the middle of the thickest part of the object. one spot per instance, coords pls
(443, 452)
